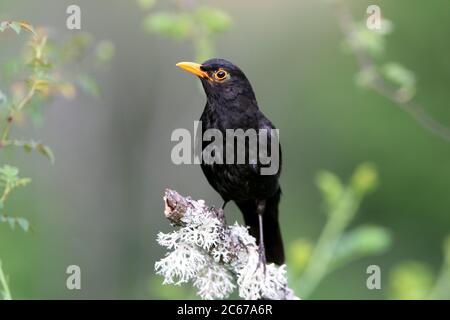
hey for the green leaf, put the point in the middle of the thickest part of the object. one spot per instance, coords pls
(331, 187)
(146, 4)
(369, 40)
(22, 182)
(46, 151)
(14, 25)
(175, 25)
(24, 224)
(398, 74)
(362, 241)
(9, 178)
(364, 179)
(411, 280)
(214, 20)
(27, 147)
(31, 145)
(9, 174)
(402, 77)
(27, 26)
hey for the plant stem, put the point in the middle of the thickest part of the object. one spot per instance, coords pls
(441, 289)
(4, 283)
(5, 194)
(20, 106)
(337, 222)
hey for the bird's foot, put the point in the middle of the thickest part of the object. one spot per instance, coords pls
(262, 262)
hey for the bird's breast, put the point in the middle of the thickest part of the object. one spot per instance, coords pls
(240, 182)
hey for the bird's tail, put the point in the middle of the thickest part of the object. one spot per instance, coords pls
(273, 242)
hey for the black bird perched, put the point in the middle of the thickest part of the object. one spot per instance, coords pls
(231, 104)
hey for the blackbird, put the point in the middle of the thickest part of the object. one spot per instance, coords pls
(231, 104)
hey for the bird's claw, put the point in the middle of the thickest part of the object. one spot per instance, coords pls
(262, 259)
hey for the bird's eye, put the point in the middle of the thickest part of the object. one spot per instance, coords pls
(220, 75)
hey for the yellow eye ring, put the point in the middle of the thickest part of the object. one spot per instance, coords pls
(220, 75)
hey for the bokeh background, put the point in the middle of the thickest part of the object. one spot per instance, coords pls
(100, 205)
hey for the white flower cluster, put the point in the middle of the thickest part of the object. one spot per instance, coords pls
(215, 258)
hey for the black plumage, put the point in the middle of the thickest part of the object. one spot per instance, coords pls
(231, 104)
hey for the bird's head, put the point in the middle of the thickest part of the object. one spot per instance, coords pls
(220, 78)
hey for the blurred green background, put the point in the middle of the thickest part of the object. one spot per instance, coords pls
(100, 205)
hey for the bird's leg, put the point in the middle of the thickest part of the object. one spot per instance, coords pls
(260, 208)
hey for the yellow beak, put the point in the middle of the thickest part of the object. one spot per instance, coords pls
(194, 68)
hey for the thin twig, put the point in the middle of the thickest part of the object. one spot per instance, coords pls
(20, 106)
(381, 86)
